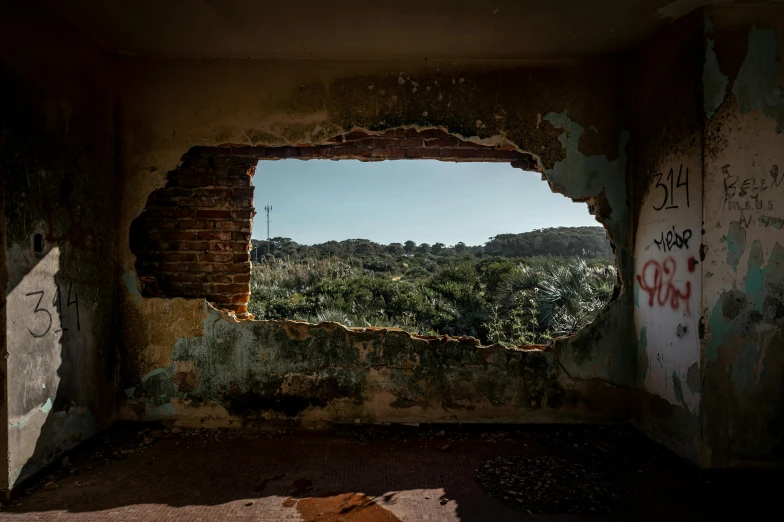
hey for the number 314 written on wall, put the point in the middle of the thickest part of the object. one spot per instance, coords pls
(41, 310)
(671, 186)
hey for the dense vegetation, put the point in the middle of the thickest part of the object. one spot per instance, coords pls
(516, 289)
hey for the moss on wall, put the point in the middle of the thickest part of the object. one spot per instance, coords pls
(261, 371)
(564, 114)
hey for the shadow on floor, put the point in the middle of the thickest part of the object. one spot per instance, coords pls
(140, 472)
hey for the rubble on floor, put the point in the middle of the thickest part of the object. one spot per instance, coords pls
(547, 484)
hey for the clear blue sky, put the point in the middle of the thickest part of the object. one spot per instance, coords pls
(426, 201)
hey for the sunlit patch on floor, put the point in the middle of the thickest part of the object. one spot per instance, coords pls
(346, 507)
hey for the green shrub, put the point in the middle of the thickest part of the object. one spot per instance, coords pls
(510, 301)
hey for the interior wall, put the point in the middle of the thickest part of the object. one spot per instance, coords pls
(704, 95)
(743, 276)
(564, 114)
(710, 101)
(57, 118)
(666, 177)
(3, 326)
(193, 238)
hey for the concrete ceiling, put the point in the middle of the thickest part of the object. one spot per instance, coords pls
(363, 29)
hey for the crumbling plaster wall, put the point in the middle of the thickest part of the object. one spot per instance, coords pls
(666, 178)
(709, 310)
(3, 308)
(187, 363)
(706, 95)
(57, 121)
(743, 273)
(254, 372)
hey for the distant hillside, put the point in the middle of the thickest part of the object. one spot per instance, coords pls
(587, 242)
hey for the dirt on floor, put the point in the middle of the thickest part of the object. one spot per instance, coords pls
(385, 473)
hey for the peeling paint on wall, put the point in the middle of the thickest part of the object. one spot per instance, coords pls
(757, 84)
(261, 371)
(601, 349)
(581, 176)
(681, 8)
(714, 81)
(743, 287)
(668, 280)
(185, 385)
(129, 279)
(736, 244)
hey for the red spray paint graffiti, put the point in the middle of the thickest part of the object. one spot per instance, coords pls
(656, 279)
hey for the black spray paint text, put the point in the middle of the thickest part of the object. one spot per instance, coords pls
(675, 191)
(57, 304)
(749, 187)
(672, 239)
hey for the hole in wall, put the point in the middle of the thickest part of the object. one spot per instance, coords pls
(193, 239)
(38, 243)
(462, 249)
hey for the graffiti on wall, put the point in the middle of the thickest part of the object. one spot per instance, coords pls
(752, 194)
(673, 239)
(661, 279)
(42, 301)
(668, 284)
(43, 313)
(749, 208)
(675, 193)
(657, 280)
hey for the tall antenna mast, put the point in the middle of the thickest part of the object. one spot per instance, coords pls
(268, 209)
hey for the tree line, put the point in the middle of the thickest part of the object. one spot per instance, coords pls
(585, 242)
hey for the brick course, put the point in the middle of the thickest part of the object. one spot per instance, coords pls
(399, 144)
(193, 237)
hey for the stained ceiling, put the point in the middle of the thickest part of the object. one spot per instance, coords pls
(362, 29)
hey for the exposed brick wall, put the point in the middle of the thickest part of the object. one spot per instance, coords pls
(401, 144)
(193, 237)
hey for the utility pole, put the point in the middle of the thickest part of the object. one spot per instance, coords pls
(268, 209)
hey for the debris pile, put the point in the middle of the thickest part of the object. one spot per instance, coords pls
(542, 484)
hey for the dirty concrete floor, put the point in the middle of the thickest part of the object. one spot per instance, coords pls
(354, 473)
